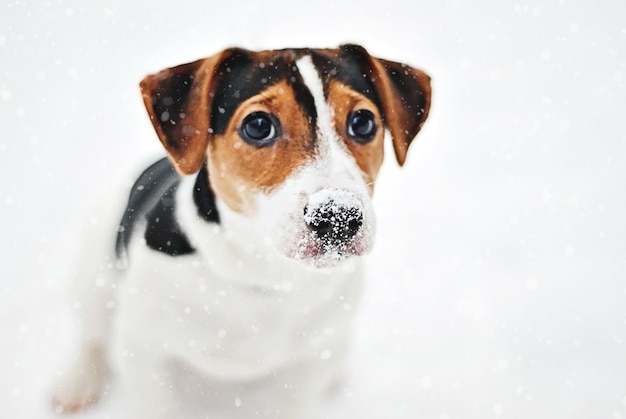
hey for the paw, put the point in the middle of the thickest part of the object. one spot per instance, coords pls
(82, 383)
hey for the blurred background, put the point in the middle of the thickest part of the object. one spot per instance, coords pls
(498, 285)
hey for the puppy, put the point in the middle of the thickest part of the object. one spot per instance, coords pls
(228, 288)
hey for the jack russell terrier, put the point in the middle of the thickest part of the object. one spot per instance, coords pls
(238, 299)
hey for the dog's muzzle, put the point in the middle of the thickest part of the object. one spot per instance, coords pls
(335, 225)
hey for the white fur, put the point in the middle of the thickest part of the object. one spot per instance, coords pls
(242, 328)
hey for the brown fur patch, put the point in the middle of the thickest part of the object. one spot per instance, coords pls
(369, 156)
(239, 169)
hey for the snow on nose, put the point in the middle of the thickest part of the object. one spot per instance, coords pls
(334, 215)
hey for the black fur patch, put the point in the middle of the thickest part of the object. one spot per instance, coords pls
(204, 198)
(152, 198)
(162, 230)
(351, 68)
(240, 78)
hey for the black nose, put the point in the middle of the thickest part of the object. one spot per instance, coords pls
(334, 220)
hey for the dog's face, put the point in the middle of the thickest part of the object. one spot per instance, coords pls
(293, 139)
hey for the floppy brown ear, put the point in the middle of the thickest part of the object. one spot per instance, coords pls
(405, 95)
(179, 104)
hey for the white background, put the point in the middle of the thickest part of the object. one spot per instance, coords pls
(498, 285)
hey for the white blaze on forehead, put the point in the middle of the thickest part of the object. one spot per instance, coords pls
(334, 154)
(313, 81)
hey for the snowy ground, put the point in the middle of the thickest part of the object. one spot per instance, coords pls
(498, 287)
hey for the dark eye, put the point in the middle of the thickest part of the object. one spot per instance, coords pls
(260, 129)
(361, 126)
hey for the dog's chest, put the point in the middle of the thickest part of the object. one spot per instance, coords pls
(184, 307)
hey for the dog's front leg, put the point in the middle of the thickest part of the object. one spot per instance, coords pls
(83, 381)
(93, 280)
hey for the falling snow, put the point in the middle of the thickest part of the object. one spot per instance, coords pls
(497, 284)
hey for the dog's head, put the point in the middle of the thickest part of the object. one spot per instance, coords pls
(293, 139)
